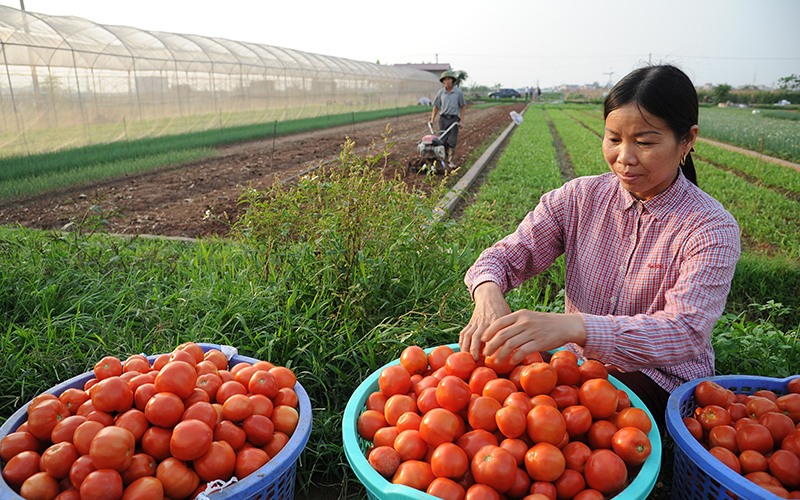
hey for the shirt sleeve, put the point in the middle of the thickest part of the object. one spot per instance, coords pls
(437, 101)
(681, 331)
(526, 252)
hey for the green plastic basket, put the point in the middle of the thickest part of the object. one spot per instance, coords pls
(378, 488)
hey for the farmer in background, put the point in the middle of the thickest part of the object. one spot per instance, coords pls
(649, 256)
(451, 103)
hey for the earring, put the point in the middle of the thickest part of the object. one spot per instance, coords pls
(683, 160)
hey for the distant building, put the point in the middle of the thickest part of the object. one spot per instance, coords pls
(435, 69)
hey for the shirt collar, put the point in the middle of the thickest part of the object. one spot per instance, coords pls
(659, 205)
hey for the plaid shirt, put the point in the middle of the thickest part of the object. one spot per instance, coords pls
(650, 279)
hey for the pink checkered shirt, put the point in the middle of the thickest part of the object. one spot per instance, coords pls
(649, 278)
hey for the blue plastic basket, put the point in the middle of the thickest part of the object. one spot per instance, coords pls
(696, 473)
(274, 481)
(379, 488)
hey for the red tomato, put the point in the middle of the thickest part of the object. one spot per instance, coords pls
(396, 406)
(449, 460)
(414, 360)
(752, 461)
(632, 445)
(39, 485)
(112, 448)
(276, 445)
(591, 369)
(204, 412)
(209, 383)
(135, 421)
(725, 436)
(727, 457)
(792, 442)
(160, 361)
(177, 377)
(143, 394)
(460, 364)
(20, 467)
(600, 396)
(606, 472)
(17, 442)
(408, 420)
(453, 393)
(511, 421)
(624, 401)
(577, 419)
(517, 447)
(218, 461)
(384, 436)
(410, 445)
(155, 442)
(102, 484)
(520, 400)
(709, 392)
(164, 409)
(564, 396)
(794, 385)
(474, 440)
(218, 358)
(546, 489)
(144, 488)
(567, 370)
(438, 426)
(438, 357)
(73, 399)
(250, 460)
(789, 405)
(109, 366)
(545, 462)
(237, 408)
(190, 439)
(784, 465)
(394, 380)
(754, 437)
(712, 415)
(499, 389)
(634, 417)
(178, 480)
(230, 432)
(263, 382)
(283, 376)
(142, 465)
(415, 474)
(521, 486)
(426, 401)
(195, 350)
(44, 416)
(538, 378)
(545, 424)
(694, 427)
(182, 356)
(569, 484)
(479, 377)
(57, 459)
(600, 435)
(494, 466)
(285, 419)
(80, 469)
(576, 454)
(481, 492)
(446, 489)
(778, 424)
(482, 411)
(259, 430)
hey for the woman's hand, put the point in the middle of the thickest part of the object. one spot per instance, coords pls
(528, 331)
(489, 306)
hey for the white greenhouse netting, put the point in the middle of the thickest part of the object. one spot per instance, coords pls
(70, 82)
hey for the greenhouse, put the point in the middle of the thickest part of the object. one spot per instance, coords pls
(71, 82)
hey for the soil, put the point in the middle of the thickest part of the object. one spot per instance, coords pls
(173, 201)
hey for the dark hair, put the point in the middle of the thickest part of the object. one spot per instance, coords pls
(663, 91)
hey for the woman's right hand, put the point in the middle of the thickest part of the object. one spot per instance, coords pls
(490, 304)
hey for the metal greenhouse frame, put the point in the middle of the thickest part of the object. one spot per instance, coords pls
(70, 82)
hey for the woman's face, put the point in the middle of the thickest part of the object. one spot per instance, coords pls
(642, 150)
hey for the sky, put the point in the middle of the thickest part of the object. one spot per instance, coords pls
(514, 43)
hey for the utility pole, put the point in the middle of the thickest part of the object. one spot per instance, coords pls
(21, 4)
(649, 58)
(437, 58)
(610, 77)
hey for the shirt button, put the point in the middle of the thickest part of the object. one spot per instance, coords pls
(633, 237)
(622, 269)
(613, 299)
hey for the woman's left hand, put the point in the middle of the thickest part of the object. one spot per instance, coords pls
(527, 331)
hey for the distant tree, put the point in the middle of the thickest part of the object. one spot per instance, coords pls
(722, 93)
(461, 78)
(791, 83)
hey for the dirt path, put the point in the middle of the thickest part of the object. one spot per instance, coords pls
(172, 201)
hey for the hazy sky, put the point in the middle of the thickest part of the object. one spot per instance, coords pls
(514, 43)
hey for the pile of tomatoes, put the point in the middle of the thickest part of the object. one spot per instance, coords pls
(138, 431)
(456, 428)
(757, 435)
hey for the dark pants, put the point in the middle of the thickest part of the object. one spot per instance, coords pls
(451, 139)
(651, 394)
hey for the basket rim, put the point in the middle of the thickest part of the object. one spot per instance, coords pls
(277, 465)
(643, 483)
(736, 483)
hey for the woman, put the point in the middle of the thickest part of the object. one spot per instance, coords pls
(649, 256)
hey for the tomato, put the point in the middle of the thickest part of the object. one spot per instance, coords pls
(284, 376)
(544, 462)
(789, 405)
(438, 357)
(778, 424)
(481, 413)
(39, 486)
(396, 406)
(112, 394)
(155, 442)
(218, 358)
(709, 392)
(511, 421)
(576, 454)
(143, 394)
(44, 416)
(577, 419)
(100, 416)
(564, 396)
(73, 399)
(109, 366)
(190, 439)
(694, 427)
(499, 389)
(133, 420)
(589, 495)
(182, 356)
(727, 457)
(177, 377)
(233, 434)
(192, 348)
(20, 467)
(600, 396)
(543, 399)
(57, 459)
(438, 426)
(64, 430)
(80, 469)
(449, 460)
(144, 488)
(453, 393)
(600, 435)
(481, 492)
(737, 411)
(624, 400)
(237, 408)
(474, 440)
(521, 485)
(250, 460)
(164, 409)
(102, 484)
(725, 436)
(17, 442)
(569, 484)
(632, 445)
(545, 424)
(410, 445)
(259, 429)
(591, 369)
(605, 472)
(567, 370)
(479, 377)
(712, 415)
(285, 419)
(785, 465)
(414, 360)
(210, 384)
(538, 378)
(142, 465)
(754, 437)
(446, 489)
(384, 436)
(426, 401)
(460, 364)
(792, 442)
(494, 466)
(160, 362)
(218, 462)
(415, 474)
(500, 366)
(178, 480)
(517, 448)
(112, 448)
(409, 420)
(752, 461)
(634, 417)
(278, 442)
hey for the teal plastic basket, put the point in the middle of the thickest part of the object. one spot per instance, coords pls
(275, 480)
(379, 488)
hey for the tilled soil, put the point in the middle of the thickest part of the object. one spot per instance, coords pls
(174, 201)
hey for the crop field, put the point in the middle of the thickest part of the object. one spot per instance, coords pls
(335, 277)
(741, 127)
